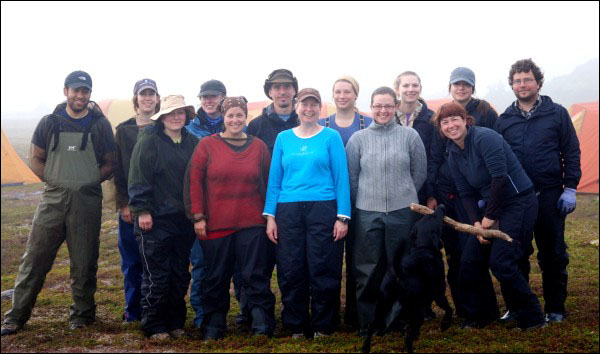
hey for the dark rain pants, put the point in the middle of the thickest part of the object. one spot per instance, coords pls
(382, 239)
(198, 270)
(549, 232)
(70, 210)
(253, 251)
(165, 252)
(517, 217)
(309, 266)
(454, 242)
(131, 266)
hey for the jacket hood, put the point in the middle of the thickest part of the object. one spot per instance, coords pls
(425, 113)
(269, 113)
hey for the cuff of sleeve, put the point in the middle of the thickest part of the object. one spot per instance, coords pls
(343, 216)
(267, 214)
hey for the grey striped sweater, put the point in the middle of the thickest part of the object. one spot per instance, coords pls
(387, 166)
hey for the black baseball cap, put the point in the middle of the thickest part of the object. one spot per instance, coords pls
(78, 79)
(212, 88)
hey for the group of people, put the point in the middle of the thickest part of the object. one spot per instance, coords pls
(287, 189)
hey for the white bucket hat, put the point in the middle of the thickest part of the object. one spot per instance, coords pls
(171, 103)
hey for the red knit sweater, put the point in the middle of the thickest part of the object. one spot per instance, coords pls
(229, 187)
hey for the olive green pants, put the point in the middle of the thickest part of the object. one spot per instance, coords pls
(70, 210)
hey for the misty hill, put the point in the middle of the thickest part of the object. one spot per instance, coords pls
(579, 86)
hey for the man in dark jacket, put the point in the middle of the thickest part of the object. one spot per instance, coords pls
(541, 134)
(72, 152)
(282, 87)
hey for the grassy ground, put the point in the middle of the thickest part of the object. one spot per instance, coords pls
(47, 330)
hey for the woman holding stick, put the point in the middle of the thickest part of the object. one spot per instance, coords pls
(484, 167)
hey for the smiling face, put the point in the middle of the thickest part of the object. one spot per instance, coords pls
(344, 95)
(525, 87)
(77, 99)
(308, 111)
(234, 120)
(454, 128)
(383, 108)
(409, 88)
(210, 104)
(461, 91)
(175, 120)
(147, 101)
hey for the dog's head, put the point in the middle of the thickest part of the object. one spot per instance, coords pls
(427, 232)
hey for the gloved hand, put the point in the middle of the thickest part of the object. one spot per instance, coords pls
(566, 202)
(481, 204)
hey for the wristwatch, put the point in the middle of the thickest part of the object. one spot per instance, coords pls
(343, 219)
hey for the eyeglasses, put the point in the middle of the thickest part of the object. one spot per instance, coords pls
(387, 107)
(526, 81)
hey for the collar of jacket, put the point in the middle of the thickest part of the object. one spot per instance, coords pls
(452, 146)
(472, 105)
(269, 112)
(384, 128)
(546, 107)
(424, 114)
(161, 134)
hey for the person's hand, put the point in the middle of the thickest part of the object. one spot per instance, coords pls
(567, 202)
(145, 222)
(481, 239)
(126, 215)
(431, 203)
(200, 229)
(271, 229)
(487, 223)
(339, 230)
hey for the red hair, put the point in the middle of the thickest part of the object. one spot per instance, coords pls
(451, 109)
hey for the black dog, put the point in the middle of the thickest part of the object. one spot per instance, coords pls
(422, 281)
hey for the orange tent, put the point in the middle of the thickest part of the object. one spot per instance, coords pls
(14, 170)
(434, 105)
(117, 111)
(585, 120)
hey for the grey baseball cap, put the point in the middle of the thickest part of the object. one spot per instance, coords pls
(143, 84)
(212, 88)
(462, 74)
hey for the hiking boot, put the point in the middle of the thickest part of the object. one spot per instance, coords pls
(178, 333)
(509, 316)
(73, 326)
(429, 315)
(160, 336)
(320, 335)
(555, 317)
(534, 327)
(10, 328)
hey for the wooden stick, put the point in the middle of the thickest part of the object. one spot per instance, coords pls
(486, 233)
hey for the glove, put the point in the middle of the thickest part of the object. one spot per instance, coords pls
(566, 202)
(481, 204)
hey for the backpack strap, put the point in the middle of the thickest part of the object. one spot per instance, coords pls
(361, 122)
(327, 119)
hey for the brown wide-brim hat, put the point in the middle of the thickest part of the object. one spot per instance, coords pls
(171, 103)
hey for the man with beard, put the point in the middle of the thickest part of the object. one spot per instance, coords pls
(541, 134)
(282, 87)
(72, 151)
